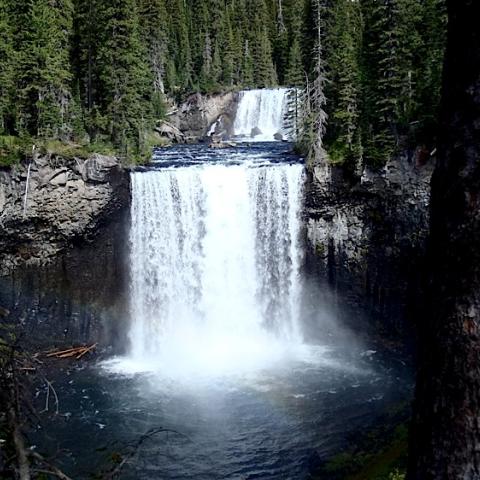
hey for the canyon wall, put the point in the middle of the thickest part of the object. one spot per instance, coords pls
(367, 239)
(63, 244)
(198, 113)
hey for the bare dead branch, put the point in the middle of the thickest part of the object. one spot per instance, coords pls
(19, 444)
(53, 469)
(135, 447)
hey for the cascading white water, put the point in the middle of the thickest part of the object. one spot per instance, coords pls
(261, 114)
(215, 266)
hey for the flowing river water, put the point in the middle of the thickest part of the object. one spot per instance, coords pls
(221, 351)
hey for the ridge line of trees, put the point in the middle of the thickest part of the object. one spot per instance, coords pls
(95, 71)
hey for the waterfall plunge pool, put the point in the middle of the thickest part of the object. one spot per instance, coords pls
(221, 338)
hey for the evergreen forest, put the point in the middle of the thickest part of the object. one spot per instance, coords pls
(100, 73)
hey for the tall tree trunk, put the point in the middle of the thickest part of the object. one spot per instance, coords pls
(445, 438)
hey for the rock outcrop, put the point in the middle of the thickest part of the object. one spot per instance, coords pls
(367, 240)
(63, 247)
(51, 203)
(170, 132)
(199, 113)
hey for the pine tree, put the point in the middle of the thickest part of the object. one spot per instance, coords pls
(381, 79)
(124, 75)
(343, 89)
(7, 63)
(205, 78)
(88, 36)
(247, 67)
(228, 40)
(294, 73)
(317, 119)
(299, 37)
(180, 46)
(153, 22)
(281, 49)
(429, 66)
(392, 69)
(264, 72)
(43, 70)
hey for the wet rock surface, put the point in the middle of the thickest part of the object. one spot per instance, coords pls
(63, 250)
(367, 240)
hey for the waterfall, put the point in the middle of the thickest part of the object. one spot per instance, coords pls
(261, 114)
(215, 260)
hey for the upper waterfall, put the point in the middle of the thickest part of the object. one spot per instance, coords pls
(261, 114)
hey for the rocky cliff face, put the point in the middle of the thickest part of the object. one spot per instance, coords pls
(367, 240)
(51, 203)
(62, 246)
(195, 117)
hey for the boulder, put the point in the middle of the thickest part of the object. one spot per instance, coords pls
(222, 127)
(167, 130)
(97, 168)
(221, 145)
(60, 179)
(278, 136)
(255, 132)
(78, 185)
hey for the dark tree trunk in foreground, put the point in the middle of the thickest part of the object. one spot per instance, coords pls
(445, 440)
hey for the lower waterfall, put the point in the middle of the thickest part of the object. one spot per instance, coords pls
(234, 352)
(215, 258)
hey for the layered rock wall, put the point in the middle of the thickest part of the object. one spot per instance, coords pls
(62, 202)
(195, 117)
(367, 240)
(63, 248)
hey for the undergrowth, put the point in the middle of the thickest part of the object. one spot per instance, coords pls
(13, 150)
(377, 454)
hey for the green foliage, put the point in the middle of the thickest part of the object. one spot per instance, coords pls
(374, 79)
(402, 54)
(124, 75)
(7, 66)
(119, 69)
(43, 72)
(343, 30)
(213, 45)
(154, 34)
(89, 70)
(294, 72)
(13, 149)
(377, 454)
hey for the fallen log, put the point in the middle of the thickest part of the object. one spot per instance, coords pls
(56, 353)
(89, 349)
(77, 352)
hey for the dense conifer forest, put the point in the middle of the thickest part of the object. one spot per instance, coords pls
(100, 72)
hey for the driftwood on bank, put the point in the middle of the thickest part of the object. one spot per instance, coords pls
(74, 352)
